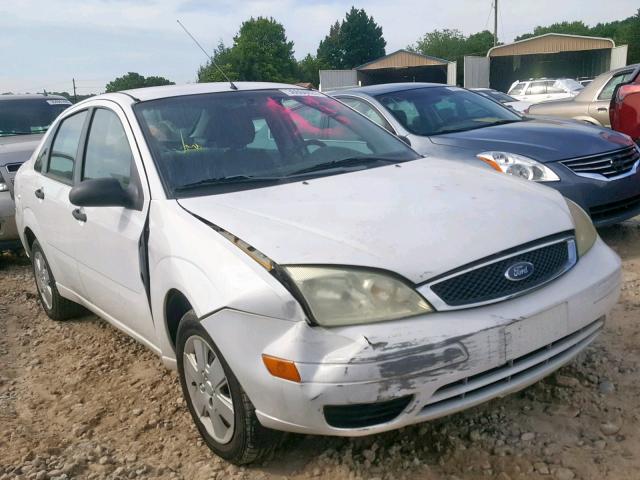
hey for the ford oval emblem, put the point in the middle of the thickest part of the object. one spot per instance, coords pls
(519, 271)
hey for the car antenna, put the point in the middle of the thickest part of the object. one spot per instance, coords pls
(210, 57)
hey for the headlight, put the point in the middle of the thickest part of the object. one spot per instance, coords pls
(586, 234)
(518, 166)
(3, 187)
(339, 296)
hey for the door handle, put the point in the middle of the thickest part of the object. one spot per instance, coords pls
(603, 109)
(79, 215)
(39, 193)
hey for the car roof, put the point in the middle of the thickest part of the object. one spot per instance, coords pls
(153, 93)
(383, 88)
(30, 96)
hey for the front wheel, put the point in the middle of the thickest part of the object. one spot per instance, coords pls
(221, 410)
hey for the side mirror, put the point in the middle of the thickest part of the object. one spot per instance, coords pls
(100, 192)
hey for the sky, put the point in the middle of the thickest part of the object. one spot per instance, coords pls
(44, 44)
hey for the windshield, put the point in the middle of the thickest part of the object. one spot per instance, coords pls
(237, 140)
(571, 85)
(26, 116)
(437, 110)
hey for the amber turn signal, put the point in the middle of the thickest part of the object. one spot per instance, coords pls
(490, 162)
(281, 368)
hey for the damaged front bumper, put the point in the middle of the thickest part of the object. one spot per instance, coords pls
(366, 379)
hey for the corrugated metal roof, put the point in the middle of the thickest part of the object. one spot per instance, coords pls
(551, 43)
(402, 59)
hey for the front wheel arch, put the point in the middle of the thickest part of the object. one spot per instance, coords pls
(175, 306)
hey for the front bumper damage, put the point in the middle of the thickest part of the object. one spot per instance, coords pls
(423, 367)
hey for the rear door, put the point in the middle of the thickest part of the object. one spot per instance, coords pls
(625, 107)
(50, 201)
(599, 108)
(111, 248)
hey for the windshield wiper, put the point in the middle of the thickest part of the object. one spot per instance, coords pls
(477, 127)
(504, 122)
(225, 181)
(345, 162)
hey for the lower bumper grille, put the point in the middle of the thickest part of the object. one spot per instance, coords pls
(608, 210)
(362, 415)
(511, 376)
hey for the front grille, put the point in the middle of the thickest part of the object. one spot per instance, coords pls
(488, 281)
(13, 167)
(362, 415)
(518, 372)
(609, 165)
(608, 210)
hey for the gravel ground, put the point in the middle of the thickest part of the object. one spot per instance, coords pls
(81, 400)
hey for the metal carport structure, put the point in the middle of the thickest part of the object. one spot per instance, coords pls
(552, 55)
(399, 66)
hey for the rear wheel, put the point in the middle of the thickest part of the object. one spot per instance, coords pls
(221, 410)
(54, 305)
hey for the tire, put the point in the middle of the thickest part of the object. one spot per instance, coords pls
(245, 440)
(55, 306)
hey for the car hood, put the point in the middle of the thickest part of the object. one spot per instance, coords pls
(543, 139)
(419, 220)
(18, 148)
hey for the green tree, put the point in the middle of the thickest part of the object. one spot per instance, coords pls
(309, 68)
(447, 44)
(135, 80)
(361, 39)
(629, 33)
(571, 28)
(357, 40)
(452, 45)
(330, 52)
(223, 58)
(260, 52)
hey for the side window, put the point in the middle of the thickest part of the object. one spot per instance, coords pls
(607, 91)
(108, 154)
(40, 160)
(263, 139)
(65, 147)
(554, 87)
(518, 89)
(537, 88)
(368, 111)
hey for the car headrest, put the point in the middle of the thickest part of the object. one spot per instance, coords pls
(235, 129)
(400, 116)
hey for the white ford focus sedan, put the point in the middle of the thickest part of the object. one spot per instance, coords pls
(303, 269)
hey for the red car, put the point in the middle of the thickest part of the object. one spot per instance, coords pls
(624, 111)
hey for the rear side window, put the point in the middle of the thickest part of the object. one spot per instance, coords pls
(65, 147)
(607, 91)
(554, 87)
(368, 111)
(108, 154)
(537, 88)
(518, 89)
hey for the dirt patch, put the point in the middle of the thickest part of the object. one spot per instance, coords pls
(81, 400)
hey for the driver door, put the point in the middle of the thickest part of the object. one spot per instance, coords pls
(110, 263)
